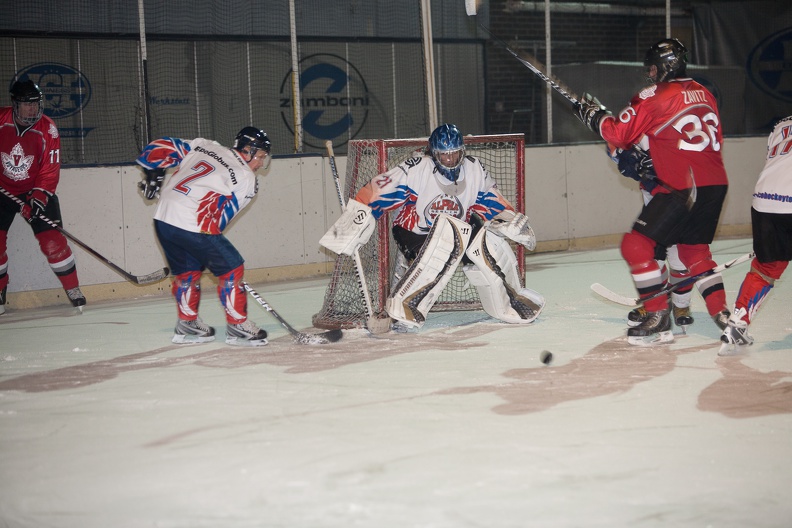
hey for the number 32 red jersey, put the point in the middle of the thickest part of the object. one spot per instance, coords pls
(681, 121)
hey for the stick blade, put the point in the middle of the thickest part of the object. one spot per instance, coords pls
(471, 6)
(324, 338)
(152, 277)
(612, 296)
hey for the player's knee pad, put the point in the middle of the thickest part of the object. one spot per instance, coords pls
(638, 251)
(54, 246)
(418, 290)
(232, 295)
(496, 278)
(186, 289)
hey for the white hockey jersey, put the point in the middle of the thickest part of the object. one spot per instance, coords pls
(420, 192)
(213, 183)
(773, 190)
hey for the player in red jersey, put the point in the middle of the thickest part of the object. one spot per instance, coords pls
(30, 152)
(680, 120)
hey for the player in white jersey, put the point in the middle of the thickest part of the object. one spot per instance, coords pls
(212, 184)
(771, 218)
(441, 200)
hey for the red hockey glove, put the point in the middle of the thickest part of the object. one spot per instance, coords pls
(36, 202)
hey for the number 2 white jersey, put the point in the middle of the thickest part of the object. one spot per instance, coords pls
(212, 184)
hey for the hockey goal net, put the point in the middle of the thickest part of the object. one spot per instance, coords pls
(504, 158)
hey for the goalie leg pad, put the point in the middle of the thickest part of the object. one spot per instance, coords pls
(422, 283)
(495, 276)
(352, 229)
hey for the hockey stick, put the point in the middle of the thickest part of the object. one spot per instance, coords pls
(538, 69)
(299, 337)
(137, 279)
(374, 324)
(611, 295)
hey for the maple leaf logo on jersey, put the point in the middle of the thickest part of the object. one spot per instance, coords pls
(16, 165)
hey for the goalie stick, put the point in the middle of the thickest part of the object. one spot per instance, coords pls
(375, 325)
(137, 279)
(299, 337)
(611, 295)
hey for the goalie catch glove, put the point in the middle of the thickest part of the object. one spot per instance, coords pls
(514, 226)
(590, 111)
(637, 164)
(153, 183)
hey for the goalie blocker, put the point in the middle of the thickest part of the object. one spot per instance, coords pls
(352, 229)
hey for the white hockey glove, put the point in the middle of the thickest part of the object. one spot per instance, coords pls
(514, 226)
(352, 229)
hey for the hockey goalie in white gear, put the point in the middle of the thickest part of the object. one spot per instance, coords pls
(495, 276)
(423, 282)
(352, 229)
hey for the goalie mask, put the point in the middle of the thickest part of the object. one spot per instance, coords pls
(669, 56)
(26, 98)
(448, 150)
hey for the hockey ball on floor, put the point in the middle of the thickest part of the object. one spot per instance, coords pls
(546, 357)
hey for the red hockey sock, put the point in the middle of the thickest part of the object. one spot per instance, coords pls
(186, 288)
(757, 284)
(59, 255)
(698, 259)
(638, 252)
(232, 295)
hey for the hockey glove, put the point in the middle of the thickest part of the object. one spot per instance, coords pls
(590, 111)
(154, 179)
(514, 226)
(352, 229)
(35, 204)
(637, 164)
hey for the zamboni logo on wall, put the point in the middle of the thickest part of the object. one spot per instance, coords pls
(770, 65)
(334, 99)
(66, 90)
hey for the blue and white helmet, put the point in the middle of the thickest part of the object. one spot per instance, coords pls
(448, 150)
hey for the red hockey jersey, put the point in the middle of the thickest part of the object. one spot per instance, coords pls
(681, 121)
(30, 160)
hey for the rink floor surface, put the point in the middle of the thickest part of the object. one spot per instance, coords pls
(105, 423)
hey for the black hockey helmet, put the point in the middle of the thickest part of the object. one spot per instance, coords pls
(670, 57)
(26, 92)
(251, 139)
